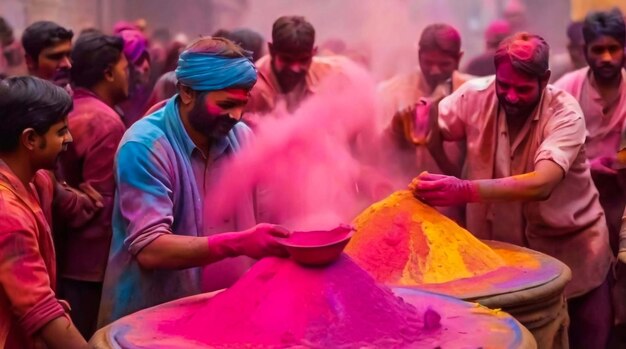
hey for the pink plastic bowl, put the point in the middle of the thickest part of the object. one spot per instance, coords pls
(319, 247)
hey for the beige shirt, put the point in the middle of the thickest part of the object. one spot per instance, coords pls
(399, 93)
(267, 94)
(570, 224)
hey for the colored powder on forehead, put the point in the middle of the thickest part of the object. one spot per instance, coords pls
(280, 304)
(402, 241)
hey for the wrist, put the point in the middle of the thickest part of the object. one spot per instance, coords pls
(224, 245)
(472, 192)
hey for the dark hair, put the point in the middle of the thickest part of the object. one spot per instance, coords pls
(293, 33)
(609, 23)
(42, 34)
(92, 55)
(29, 102)
(528, 53)
(441, 37)
(247, 39)
(6, 32)
(575, 33)
(218, 46)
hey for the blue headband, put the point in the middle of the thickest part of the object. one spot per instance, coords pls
(210, 72)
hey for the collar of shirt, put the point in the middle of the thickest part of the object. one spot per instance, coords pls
(15, 185)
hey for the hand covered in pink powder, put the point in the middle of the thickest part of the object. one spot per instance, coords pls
(441, 190)
(260, 241)
(603, 165)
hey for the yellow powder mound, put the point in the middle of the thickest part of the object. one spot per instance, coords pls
(402, 241)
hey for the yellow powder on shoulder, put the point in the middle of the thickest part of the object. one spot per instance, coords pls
(403, 241)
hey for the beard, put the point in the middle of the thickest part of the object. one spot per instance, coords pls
(287, 79)
(210, 125)
(517, 110)
(607, 71)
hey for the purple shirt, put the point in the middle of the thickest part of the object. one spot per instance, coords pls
(97, 130)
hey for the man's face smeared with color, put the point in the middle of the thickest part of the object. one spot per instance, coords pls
(215, 113)
(517, 92)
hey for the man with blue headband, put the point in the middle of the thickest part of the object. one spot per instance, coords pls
(168, 241)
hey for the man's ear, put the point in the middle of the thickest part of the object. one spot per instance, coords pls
(543, 81)
(30, 63)
(314, 51)
(108, 74)
(186, 94)
(29, 139)
(270, 49)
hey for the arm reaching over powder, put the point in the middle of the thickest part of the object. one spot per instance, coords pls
(171, 251)
(440, 190)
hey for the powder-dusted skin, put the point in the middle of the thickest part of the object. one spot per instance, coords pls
(280, 304)
(402, 241)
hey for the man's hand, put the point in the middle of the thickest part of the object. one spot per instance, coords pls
(92, 194)
(260, 241)
(412, 124)
(603, 165)
(441, 190)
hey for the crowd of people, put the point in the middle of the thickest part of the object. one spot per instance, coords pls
(112, 144)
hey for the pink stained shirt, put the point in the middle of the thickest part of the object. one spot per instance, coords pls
(27, 259)
(605, 121)
(97, 130)
(570, 224)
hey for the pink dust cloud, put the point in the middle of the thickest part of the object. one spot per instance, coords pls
(313, 169)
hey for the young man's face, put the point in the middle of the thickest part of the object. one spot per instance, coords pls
(291, 68)
(120, 79)
(605, 57)
(518, 93)
(53, 63)
(437, 66)
(215, 113)
(50, 145)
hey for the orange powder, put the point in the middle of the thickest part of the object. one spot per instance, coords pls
(402, 241)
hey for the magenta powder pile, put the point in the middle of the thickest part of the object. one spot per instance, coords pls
(279, 303)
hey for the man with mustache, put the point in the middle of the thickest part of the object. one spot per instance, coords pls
(48, 47)
(601, 91)
(527, 180)
(291, 71)
(168, 241)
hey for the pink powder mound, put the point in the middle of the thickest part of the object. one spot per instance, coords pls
(279, 303)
